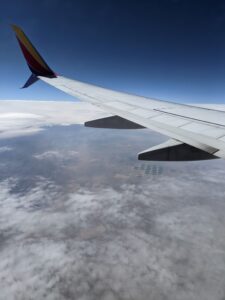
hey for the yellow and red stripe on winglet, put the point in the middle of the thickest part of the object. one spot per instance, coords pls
(34, 60)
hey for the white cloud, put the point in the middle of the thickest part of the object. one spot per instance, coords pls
(108, 244)
(5, 149)
(29, 117)
(149, 237)
(52, 154)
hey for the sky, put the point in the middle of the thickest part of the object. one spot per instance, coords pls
(167, 49)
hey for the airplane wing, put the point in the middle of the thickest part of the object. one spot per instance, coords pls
(195, 132)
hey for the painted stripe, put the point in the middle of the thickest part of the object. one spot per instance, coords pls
(33, 64)
(34, 60)
(28, 45)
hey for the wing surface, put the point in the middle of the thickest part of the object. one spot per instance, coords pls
(200, 127)
(203, 128)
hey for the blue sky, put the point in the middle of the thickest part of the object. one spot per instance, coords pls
(166, 49)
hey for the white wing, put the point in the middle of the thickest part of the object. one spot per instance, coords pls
(201, 128)
(196, 132)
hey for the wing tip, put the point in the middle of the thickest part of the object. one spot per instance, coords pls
(16, 29)
(36, 63)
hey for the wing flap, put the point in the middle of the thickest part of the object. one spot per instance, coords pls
(113, 122)
(173, 150)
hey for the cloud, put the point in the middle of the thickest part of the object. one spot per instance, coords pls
(100, 226)
(5, 149)
(139, 242)
(53, 154)
(19, 117)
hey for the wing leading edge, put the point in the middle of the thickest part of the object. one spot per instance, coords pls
(198, 132)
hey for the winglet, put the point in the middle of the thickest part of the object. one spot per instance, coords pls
(32, 79)
(35, 62)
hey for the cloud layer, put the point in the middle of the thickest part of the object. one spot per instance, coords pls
(106, 244)
(18, 118)
(81, 218)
